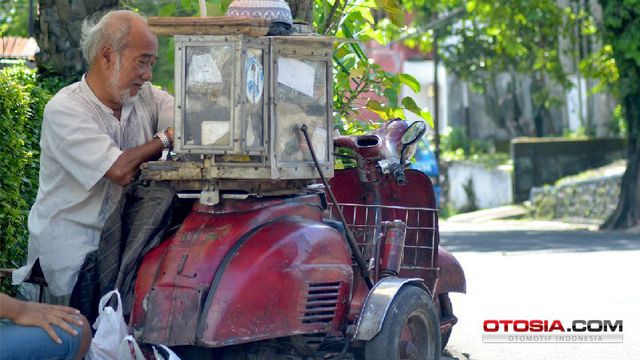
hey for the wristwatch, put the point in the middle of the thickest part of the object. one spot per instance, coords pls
(166, 142)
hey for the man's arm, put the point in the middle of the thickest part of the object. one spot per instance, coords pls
(124, 169)
(43, 315)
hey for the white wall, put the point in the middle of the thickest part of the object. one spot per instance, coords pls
(492, 187)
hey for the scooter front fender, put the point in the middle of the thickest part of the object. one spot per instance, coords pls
(451, 277)
(377, 303)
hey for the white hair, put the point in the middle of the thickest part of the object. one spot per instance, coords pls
(112, 29)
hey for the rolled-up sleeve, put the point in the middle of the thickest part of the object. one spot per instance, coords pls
(78, 144)
(165, 107)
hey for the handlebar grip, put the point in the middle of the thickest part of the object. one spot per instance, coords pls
(398, 174)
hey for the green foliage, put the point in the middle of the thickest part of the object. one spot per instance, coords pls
(622, 32)
(480, 39)
(579, 133)
(447, 211)
(619, 125)
(22, 101)
(14, 18)
(454, 143)
(360, 84)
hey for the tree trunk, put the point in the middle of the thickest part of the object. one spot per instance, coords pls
(58, 31)
(627, 214)
(302, 10)
(620, 25)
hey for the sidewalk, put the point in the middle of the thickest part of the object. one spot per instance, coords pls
(506, 218)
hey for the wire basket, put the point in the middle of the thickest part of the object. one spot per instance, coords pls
(366, 222)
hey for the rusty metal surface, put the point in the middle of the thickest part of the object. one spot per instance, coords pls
(254, 275)
(377, 304)
(291, 276)
(452, 277)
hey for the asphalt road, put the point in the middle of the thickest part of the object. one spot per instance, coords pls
(548, 271)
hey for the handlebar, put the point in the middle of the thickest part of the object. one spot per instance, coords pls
(397, 170)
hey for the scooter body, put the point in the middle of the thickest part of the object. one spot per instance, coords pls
(264, 268)
(243, 271)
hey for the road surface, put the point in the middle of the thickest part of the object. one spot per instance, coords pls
(547, 271)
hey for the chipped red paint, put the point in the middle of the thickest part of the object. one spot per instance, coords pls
(452, 277)
(222, 262)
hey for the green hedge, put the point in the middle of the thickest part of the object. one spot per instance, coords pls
(22, 100)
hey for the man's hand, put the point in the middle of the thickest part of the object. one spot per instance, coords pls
(170, 133)
(45, 315)
(42, 315)
(126, 166)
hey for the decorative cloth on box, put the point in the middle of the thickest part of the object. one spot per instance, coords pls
(274, 10)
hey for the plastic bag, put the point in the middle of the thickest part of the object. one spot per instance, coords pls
(164, 353)
(111, 330)
(130, 350)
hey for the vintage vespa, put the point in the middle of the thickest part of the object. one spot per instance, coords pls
(263, 266)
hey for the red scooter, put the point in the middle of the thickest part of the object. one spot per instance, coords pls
(350, 267)
(263, 265)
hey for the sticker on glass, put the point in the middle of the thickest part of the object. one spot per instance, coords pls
(203, 70)
(297, 75)
(215, 132)
(255, 80)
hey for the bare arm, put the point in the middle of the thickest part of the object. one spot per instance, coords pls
(125, 167)
(42, 315)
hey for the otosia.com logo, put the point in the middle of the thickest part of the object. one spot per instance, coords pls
(552, 331)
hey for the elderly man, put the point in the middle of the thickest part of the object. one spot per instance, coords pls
(95, 135)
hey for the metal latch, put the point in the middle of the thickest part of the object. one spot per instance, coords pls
(210, 195)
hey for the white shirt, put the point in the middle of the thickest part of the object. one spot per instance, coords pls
(80, 141)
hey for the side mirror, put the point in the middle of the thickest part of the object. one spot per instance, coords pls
(413, 133)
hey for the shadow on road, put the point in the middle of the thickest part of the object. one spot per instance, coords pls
(512, 241)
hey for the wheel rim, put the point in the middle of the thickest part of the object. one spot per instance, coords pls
(413, 342)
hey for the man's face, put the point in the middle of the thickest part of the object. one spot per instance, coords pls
(133, 65)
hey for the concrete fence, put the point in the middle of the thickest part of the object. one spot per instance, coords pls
(590, 201)
(540, 161)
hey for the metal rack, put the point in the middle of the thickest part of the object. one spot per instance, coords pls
(421, 240)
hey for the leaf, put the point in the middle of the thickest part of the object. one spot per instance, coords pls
(392, 95)
(393, 9)
(410, 81)
(168, 10)
(374, 105)
(471, 5)
(411, 105)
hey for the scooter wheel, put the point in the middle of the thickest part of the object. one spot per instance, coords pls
(410, 329)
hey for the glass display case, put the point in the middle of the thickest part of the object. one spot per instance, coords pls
(241, 101)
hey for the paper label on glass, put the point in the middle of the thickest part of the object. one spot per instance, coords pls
(319, 141)
(297, 75)
(255, 80)
(203, 69)
(214, 131)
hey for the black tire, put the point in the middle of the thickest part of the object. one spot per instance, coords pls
(445, 338)
(445, 309)
(412, 316)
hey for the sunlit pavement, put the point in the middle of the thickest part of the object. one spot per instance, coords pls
(548, 271)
